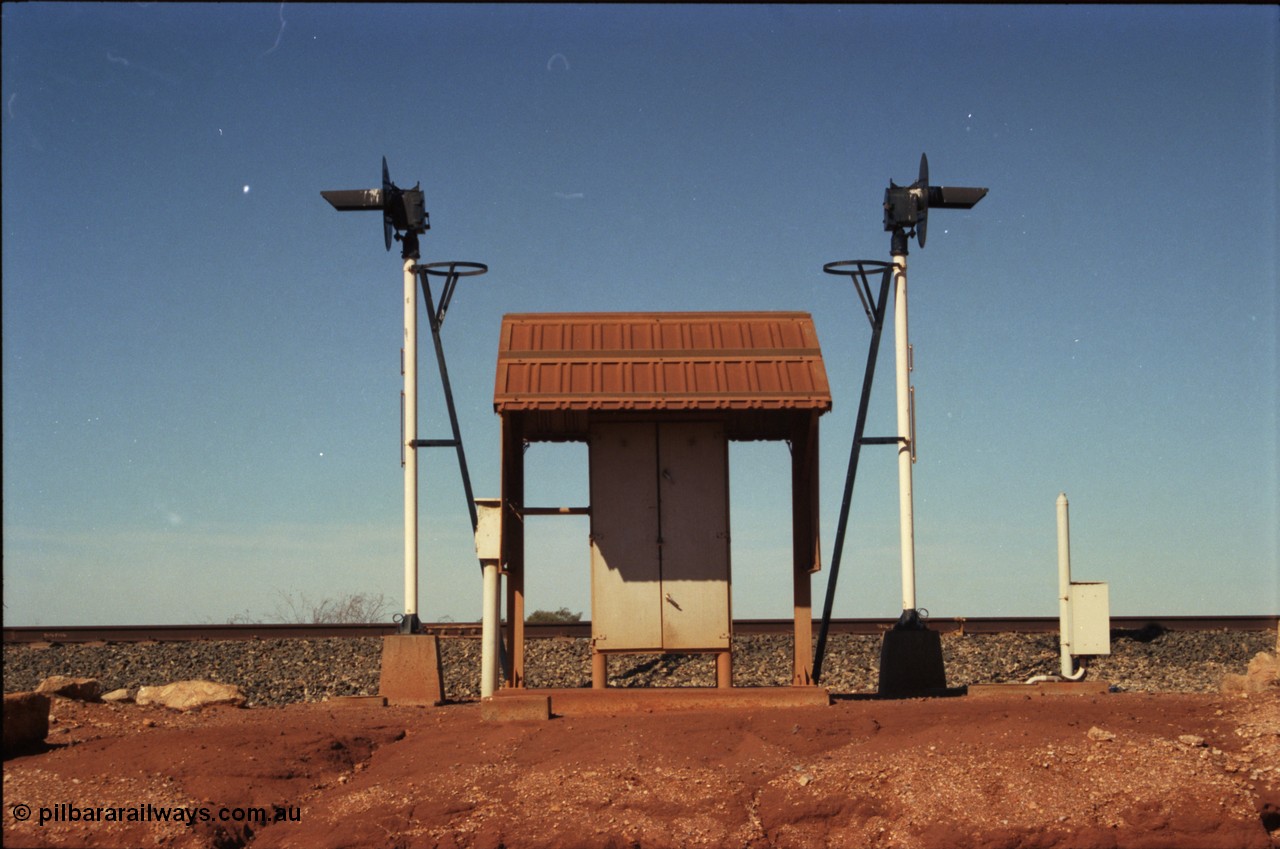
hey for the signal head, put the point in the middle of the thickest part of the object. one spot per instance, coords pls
(906, 208)
(403, 210)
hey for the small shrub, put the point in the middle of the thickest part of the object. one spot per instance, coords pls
(553, 617)
(352, 607)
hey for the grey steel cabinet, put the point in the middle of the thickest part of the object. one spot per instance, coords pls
(660, 536)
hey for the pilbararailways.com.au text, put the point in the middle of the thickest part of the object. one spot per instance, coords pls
(64, 812)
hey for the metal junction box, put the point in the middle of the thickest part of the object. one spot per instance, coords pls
(659, 536)
(1090, 618)
(489, 529)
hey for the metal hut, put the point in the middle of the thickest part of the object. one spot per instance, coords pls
(657, 397)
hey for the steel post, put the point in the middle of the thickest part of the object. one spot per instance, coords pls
(1064, 586)
(409, 401)
(724, 669)
(906, 447)
(599, 670)
(489, 631)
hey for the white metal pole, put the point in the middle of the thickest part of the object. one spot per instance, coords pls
(489, 631)
(410, 403)
(902, 350)
(1064, 585)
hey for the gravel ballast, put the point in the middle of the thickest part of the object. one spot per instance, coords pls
(276, 672)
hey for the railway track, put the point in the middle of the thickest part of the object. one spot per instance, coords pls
(964, 625)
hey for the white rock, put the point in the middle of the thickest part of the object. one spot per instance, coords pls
(190, 695)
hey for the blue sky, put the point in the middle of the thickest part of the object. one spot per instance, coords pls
(201, 358)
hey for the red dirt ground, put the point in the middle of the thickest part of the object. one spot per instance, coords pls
(1016, 770)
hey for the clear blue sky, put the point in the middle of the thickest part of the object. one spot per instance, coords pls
(200, 357)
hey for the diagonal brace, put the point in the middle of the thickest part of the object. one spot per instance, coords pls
(875, 310)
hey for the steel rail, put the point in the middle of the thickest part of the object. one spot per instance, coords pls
(956, 625)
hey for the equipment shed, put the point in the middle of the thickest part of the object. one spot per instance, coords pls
(657, 397)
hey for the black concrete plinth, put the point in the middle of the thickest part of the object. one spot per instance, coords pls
(911, 663)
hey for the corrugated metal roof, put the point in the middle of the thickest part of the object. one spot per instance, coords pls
(660, 361)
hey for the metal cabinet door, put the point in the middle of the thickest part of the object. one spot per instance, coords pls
(693, 494)
(626, 599)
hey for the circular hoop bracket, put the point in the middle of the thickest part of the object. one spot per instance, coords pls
(454, 269)
(857, 266)
(859, 270)
(451, 271)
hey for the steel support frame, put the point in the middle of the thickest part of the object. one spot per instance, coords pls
(435, 317)
(875, 309)
(806, 551)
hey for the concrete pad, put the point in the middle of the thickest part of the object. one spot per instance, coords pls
(411, 671)
(1043, 688)
(356, 701)
(617, 700)
(515, 707)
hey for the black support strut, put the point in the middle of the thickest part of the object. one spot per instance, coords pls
(435, 316)
(875, 310)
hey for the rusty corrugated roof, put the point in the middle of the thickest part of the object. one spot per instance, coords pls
(660, 361)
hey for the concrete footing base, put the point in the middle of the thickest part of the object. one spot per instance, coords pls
(411, 671)
(511, 708)
(1043, 688)
(356, 701)
(615, 700)
(911, 663)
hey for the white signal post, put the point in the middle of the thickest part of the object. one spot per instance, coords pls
(409, 403)
(404, 216)
(906, 431)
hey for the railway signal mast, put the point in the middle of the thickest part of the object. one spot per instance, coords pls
(906, 211)
(911, 656)
(404, 218)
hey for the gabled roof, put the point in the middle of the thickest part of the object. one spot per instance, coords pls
(691, 361)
